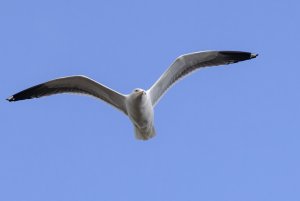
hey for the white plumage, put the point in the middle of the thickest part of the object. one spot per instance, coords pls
(139, 104)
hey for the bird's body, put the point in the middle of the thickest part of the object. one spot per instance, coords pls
(140, 112)
(138, 105)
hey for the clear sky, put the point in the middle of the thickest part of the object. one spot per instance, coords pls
(223, 134)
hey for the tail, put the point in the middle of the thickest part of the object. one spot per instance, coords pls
(142, 134)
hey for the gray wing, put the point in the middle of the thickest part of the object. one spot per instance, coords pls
(186, 64)
(73, 84)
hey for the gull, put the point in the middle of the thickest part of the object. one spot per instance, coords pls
(139, 104)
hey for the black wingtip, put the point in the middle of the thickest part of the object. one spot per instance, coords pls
(26, 94)
(237, 56)
(11, 98)
(252, 56)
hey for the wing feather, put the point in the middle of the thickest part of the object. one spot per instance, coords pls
(188, 63)
(73, 84)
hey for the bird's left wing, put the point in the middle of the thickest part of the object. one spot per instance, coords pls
(73, 84)
(186, 64)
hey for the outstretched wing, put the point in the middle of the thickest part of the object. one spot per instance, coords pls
(73, 84)
(186, 64)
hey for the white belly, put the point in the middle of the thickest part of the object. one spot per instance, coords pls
(140, 110)
(141, 115)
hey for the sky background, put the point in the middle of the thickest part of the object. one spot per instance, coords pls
(223, 134)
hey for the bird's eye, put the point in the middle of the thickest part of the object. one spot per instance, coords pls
(136, 90)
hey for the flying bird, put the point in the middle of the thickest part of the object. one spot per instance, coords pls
(139, 104)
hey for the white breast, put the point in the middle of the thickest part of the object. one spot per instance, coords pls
(140, 110)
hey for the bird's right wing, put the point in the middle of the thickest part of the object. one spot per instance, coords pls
(73, 84)
(188, 63)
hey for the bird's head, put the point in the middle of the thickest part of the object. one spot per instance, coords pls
(139, 92)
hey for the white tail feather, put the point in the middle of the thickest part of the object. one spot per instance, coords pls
(141, 134)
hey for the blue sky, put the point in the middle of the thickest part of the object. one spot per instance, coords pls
(223, 134)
